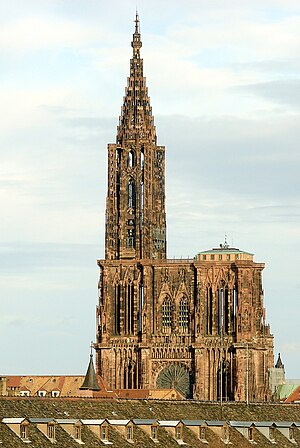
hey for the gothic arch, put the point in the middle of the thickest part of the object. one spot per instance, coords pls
(183, 314)
(131, 193)
(167, 314)
(131, 159)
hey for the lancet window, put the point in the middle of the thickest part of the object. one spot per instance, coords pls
(129, 309)
(131, 194)
(183, 314)
(223, 310)
(166, 314)
(131, 158)
(130, 239)
(209, 306)
(117, 308)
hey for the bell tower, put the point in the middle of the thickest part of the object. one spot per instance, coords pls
(194, 324)
(135, 204)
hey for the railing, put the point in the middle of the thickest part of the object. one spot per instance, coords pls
(179, 260)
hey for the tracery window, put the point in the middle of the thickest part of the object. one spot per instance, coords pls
(117, 308)
(166, 314)
(209, 314)
(184, 313)
(131, 194)
(130, 239)
(131, 159)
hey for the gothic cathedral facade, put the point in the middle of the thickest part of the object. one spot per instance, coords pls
(194, 325)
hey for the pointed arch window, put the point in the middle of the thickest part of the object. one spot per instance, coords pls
(184, 314)
(131, 159)
(131, 194)
(166, 314)
(209, 309)
(117, 308)
(130, 239)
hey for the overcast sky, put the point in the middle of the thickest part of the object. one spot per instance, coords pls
(224, 82)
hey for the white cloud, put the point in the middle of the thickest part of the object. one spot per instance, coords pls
(232, 153)
(41, 33)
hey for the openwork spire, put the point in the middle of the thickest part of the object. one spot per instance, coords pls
(136, 42)
(136, 120)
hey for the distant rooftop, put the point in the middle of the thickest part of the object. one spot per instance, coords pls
(224, 253)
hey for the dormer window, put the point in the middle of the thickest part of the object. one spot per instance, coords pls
(51, 432)
(104, 432)
(41, 393)
(24, 432)
(129, 433)
(178, 433)
(154, 432)
(201, 433)
(225, 434)
(77, 432)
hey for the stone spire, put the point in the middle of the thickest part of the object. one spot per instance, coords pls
(90, 380)
(135, 205)
(136, 120)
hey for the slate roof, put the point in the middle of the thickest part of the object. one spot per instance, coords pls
(193, 422)
(94, 410)
(144, 421)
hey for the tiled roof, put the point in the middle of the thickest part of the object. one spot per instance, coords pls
(71, 410)
(13, 381)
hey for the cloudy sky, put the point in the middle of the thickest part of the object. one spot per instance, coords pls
(224, 81)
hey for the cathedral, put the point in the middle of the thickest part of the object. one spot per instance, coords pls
(195, 325)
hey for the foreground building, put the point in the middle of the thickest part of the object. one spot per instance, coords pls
(194, 325)
(64, 422)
